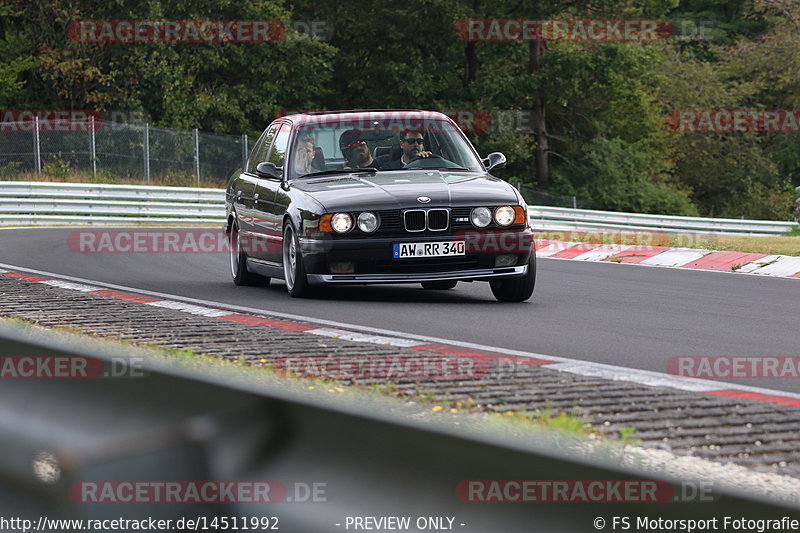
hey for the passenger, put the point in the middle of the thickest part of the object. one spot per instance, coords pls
(411, 143)
(304, 155)
(360, 155)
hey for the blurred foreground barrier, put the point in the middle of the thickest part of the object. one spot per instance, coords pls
(104, 448)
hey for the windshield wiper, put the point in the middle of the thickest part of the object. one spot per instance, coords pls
(431, 168)
(338, 171)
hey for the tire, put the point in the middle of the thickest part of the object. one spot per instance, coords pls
(516, 289)
(294, 273)
(439, 285)
(239, 272)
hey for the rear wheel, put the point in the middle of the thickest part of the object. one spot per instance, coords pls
(439, 285)
(293, 271)
(239, 272)
(516, 289)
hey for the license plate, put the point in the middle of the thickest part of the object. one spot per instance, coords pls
(402, 250)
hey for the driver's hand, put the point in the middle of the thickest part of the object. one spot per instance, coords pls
(424, 154)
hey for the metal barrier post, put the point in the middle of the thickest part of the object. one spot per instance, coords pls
(37, 154)
(92, 147)
(245, 150)
(147, 152)
(196, 139)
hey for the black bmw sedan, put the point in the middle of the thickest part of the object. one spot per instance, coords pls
(362, 197)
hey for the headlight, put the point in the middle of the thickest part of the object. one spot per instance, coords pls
(505, 215)
(342, 222)
(480, 217)
(367, 222)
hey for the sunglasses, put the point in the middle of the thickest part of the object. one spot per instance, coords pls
(357, 143)
(414, 140)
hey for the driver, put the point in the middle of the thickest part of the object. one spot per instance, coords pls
(411, 142)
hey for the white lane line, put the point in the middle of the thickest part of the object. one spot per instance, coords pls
(643, 377)
(619, 370)
(69, 285)
(360, 337)
(190, 308)
(674, 257)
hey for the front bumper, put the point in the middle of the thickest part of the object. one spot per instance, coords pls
(459, 275)
(371, 260)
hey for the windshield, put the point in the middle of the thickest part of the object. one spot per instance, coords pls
(381, 146)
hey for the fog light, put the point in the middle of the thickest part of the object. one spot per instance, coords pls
(504, 260)
(342, 268)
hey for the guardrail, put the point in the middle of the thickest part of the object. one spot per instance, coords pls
(39, 203)
(44, 203)
(566, 219)
(169, 422)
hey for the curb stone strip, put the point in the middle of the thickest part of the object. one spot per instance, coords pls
(641, 377)
(783, 266)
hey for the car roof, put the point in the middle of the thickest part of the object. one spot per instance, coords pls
(360, 115)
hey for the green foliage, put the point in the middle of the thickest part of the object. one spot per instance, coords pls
(626, 435)
(622, 176)
(604, 104)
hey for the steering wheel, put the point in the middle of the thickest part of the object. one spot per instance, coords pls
(432, 161)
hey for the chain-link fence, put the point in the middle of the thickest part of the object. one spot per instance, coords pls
(540, 197)
(124, 151)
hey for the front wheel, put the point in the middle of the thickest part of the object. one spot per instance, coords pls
(516, 289)
(439, 285)
(293, 271)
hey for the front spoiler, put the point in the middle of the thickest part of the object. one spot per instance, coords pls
(458, 275)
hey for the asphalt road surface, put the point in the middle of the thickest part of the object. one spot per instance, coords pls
(626, 315)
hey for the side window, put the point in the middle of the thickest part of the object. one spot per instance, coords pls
(279, 147)
(259, 152)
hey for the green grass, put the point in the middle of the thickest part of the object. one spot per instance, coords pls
(55, 175)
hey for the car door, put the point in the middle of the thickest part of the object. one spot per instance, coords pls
(270, 212)
(246, 201)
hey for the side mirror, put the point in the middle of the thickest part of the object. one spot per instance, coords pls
(495, 161)
(267, 170)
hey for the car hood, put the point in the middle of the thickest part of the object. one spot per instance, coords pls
(400, 189)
